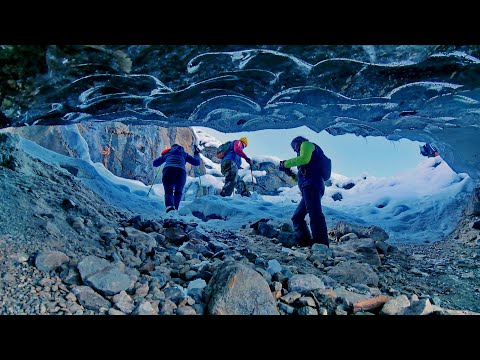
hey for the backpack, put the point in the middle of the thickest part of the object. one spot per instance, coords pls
(428, 150)
(223, 149)
(326, 170)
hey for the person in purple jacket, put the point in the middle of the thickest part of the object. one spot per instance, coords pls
(174, 174)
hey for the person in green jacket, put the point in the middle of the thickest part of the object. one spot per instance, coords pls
(312, 187)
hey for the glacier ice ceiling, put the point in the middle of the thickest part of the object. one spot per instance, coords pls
(428, 93)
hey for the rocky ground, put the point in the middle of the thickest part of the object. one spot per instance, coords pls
(63, 250)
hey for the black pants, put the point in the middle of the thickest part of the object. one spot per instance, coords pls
(173, 180)
(311, 205)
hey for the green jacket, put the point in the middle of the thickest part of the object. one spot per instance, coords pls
(309, 163)
(306, 151)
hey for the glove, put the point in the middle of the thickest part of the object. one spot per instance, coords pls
(289, 172)
(196, 150)
(249, 161)
(286, 170)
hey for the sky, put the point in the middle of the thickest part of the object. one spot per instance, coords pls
(420, 204)
(351, 155)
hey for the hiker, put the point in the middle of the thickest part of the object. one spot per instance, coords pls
(428, 150)
(230, 165)
(174, 173)
(310, 178)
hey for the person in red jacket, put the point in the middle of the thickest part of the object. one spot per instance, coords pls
(231, 163)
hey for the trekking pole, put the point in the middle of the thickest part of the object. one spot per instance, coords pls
(200, 183)
(253, 185)
(153, 182)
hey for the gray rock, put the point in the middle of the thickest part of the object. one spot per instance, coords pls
(217, 246)
(167, 307)
(340, 311)
(349, 236)
(286, 227)
(109, 281)
(290, 297)
(473, 206)
(321, 249)
(304, 283)
(382, 247)
(185, 310)
(276, 286)
(175, 235)
(286, 308)
(420, 307)
(113, 311)
(236, 289)
(190, 274)
(395, 306)
(348, 297)
(337, 196)
(21, 257)
(107, 232)
(350, 272)
(364, 248)
(307, 310)
(197, 283)
(273, 180)
(103, 276)
(322, 311)
(174, 293)
(196, 294)
(140, 240)
(178, 259)
(274, 266)
(50, 260)
(265, 274)
(260, 261)
(90, 299)
(142, 290)
(374, 232)
(52, 229)
(287, 239)
(124, 302)
(439, 311)
(145, 308)
(306, 301)
(267, 230)
(71, 297)
(364, 313)
(91, 265)
(199, 309)
(436, 301)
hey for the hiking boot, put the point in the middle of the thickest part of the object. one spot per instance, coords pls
(304, 242)
(170, 208)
